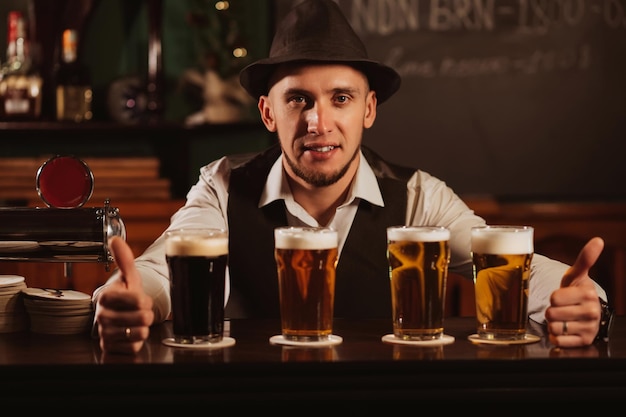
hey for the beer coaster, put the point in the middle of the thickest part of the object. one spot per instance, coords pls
(225, 342)
(443, 340)
(280, 340)
(528, 338)
(10, 280)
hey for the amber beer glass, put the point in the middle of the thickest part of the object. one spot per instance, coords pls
(197, 260)
(501, 259)
(418, 259)
(306, 259)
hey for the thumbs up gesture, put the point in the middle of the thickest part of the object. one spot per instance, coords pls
(123, 310)
(574, 313)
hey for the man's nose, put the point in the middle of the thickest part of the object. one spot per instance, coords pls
(318, 119)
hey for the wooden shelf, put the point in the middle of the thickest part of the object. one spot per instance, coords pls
(91, 126)
(180, 149)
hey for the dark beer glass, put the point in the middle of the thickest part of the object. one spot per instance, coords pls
(306, 258)
(501, 257)
(197, 260)
(418, 270)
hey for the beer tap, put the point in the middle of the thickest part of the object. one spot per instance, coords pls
(63, 231)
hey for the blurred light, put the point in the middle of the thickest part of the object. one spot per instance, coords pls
(222, 5)
(240, 52)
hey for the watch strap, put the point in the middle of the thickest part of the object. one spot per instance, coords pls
(606, 321)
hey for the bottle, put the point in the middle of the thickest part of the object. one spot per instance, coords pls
(73, 84)
(20, 82)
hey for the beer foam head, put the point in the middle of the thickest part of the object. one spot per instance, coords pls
(196, 243)
(503, 240)
(305, 238)
(418, 233)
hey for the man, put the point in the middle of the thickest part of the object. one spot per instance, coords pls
(318, 91)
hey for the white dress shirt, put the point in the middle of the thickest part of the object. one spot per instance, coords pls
(430, 202)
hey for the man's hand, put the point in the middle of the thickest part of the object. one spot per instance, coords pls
(574, 313)
(124, 311)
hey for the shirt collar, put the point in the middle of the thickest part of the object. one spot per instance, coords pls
(364, 187)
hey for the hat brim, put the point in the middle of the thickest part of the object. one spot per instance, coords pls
(255, 77)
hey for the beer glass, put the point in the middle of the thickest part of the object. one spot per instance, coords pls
(501, 260)
(306, 259)
(196, 260)
(418, 259)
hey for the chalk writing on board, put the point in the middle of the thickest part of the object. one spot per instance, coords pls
(385, 17)
(552, 32)
(575, 57)
(481, 77)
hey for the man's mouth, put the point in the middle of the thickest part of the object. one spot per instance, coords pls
(319, 148)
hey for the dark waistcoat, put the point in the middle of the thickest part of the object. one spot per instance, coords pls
(362, 288)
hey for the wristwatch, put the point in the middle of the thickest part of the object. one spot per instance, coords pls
(606, 321)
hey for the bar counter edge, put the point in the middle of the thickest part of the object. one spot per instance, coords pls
(198, 379)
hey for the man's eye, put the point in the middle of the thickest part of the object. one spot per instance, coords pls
(342, 99)
(298, 99)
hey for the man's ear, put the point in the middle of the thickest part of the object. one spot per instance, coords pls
(370, 110)
(267, 115)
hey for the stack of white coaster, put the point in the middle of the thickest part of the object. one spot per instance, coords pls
(13, 317)
(54, 311)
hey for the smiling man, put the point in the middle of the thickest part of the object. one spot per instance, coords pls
(318, 91)
(319, 113)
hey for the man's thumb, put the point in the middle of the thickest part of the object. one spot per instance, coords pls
(587, 256)
(125, 260)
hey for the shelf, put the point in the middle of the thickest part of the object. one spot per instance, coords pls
(181, 150)
(70, 127)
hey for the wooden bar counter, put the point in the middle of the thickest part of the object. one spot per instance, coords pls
(39, 370)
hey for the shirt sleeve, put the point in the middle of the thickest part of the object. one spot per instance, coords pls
(431, 202)
(205, 206)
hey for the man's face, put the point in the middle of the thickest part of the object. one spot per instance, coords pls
(319, 113)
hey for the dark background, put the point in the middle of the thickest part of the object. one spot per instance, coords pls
(525, 100)
(511, 99)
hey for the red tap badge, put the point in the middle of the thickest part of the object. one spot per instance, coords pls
(64, 182)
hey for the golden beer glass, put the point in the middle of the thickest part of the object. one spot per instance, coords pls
(306, 261)
(501, 258)
(418, 259)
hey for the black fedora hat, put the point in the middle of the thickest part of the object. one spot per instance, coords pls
(317, 31)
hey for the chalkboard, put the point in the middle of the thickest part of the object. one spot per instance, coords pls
(517, 99)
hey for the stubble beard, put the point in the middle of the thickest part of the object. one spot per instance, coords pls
(318, 179)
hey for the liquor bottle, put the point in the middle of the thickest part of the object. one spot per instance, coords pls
(20, 82)
(73, 83)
